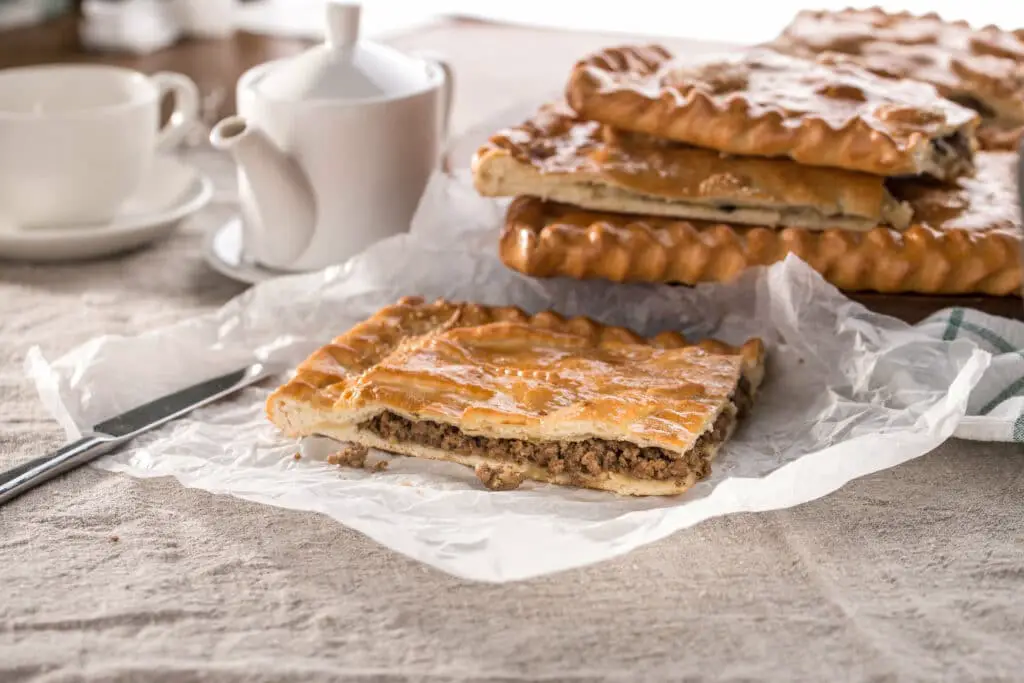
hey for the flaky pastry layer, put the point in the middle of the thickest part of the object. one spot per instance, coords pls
(498, 373)
(967, 240)
(759, 102)
(559, 156)
(980, 68)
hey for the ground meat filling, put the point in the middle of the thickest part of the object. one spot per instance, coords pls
(743, 397)
(589, 457)
(953, 152)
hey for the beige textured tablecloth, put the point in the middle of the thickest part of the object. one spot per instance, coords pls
(912, 574)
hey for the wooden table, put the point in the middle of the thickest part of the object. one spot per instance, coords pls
(215, 65)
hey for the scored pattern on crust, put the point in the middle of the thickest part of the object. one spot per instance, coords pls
(558, 155)
(982, 68)
(549, 240)
(321, 378)
(763, 103)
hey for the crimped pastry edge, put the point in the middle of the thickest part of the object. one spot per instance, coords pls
(1006, 102)
(665, 113)
(624, 248)
(993, 137)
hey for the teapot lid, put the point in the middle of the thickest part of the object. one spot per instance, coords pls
(345, 68)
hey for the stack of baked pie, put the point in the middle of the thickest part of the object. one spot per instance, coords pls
(685, 170)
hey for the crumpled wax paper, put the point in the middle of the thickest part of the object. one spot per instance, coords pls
(847, 393)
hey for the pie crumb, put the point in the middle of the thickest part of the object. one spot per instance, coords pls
(499, 477)
(349, 455)
(115, 538)
(378, 466)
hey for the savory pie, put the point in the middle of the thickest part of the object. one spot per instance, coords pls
(559, 156)
(759, 102)
(966, 239)
(993, 136)
(980, 68)
(566, 401)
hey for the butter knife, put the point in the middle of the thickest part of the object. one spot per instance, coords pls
(110, 434)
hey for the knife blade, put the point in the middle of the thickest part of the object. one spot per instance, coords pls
(116, 431)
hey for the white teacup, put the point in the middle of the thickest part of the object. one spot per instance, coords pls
(76, 141)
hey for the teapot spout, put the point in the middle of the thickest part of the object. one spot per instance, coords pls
(281, 213)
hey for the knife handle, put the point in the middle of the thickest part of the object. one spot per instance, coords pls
(21, 478)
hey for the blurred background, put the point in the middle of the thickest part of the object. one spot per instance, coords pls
(215, 41)
(738, 20)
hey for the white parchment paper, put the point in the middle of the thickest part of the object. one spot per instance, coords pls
(848, 392)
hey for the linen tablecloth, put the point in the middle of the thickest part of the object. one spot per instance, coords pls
(915, 573)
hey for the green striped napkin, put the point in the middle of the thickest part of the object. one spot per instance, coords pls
(995, 411)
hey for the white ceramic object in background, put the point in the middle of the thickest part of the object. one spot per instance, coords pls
(207, 18)
(334, 146)
(169, 192)
(223, 251)
(139, 26)
(76, 141)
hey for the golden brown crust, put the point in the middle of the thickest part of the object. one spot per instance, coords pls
(321, 375)
(995, 137)
(559, 156)
(968, 241)
(367, 343)
(982, 68)
(497, 372)
(760, 102)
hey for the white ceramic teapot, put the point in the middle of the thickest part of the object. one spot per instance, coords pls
(335, 146)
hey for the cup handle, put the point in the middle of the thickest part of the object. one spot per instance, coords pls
(186, 107)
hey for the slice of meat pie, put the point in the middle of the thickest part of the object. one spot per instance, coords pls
(759, 102)
(561, 157)
(570, 402)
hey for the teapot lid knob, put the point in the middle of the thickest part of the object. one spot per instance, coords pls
(342, 23)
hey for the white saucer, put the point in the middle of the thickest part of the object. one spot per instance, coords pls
(222, 250)
(171, 191)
